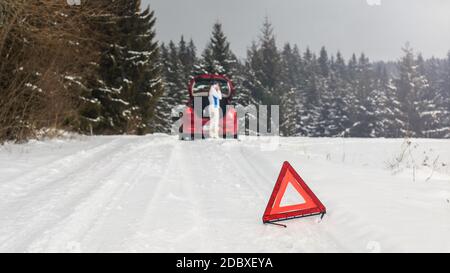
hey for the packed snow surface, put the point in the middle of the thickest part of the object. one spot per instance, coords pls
(158, 194)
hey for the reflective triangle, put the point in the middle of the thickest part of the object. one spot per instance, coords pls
(275, 211)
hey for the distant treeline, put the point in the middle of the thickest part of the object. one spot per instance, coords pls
(97, 68)
(323, 95)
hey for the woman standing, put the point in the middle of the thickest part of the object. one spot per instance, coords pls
(215, 95)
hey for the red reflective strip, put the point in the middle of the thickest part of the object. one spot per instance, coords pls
(286, 181)
(274, 211)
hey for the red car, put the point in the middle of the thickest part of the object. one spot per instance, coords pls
(195, 120)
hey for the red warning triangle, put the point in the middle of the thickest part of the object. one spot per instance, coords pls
(276, 212)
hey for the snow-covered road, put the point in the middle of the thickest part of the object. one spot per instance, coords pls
(157, 194)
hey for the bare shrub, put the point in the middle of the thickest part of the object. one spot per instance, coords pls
(47, 54)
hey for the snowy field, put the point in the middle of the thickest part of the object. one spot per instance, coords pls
(157, 194)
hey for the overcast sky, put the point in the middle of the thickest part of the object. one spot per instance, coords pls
(377, 27)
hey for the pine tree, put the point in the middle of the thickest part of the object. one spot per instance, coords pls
(434, 110)
(363, 100)
(192, 51)
(352, 69)
(410, 87)
(243, 87)
(340, 68)
(174, 77)
(251, 91)
(268, 71)
(290, 112)
(309, 92)
(187, 56)
(263, 65)
(335, 108)
(324, 107)
(324, 63)
(163, 118)
(290, 81)
(130, 83)
(107, 117)
(291, 63)
(252, 81)
(310, 70)
(142, 81)
(91, 110)
(388, 110)
(444, 94)
(445, 82)
(217, 57)
(175, 87)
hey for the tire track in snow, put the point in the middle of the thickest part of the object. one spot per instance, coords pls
(39, 214)
(204, 202)
(172, 213)
(111, 212)
(38, 177)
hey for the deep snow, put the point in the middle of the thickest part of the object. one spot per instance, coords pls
(158, 194)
